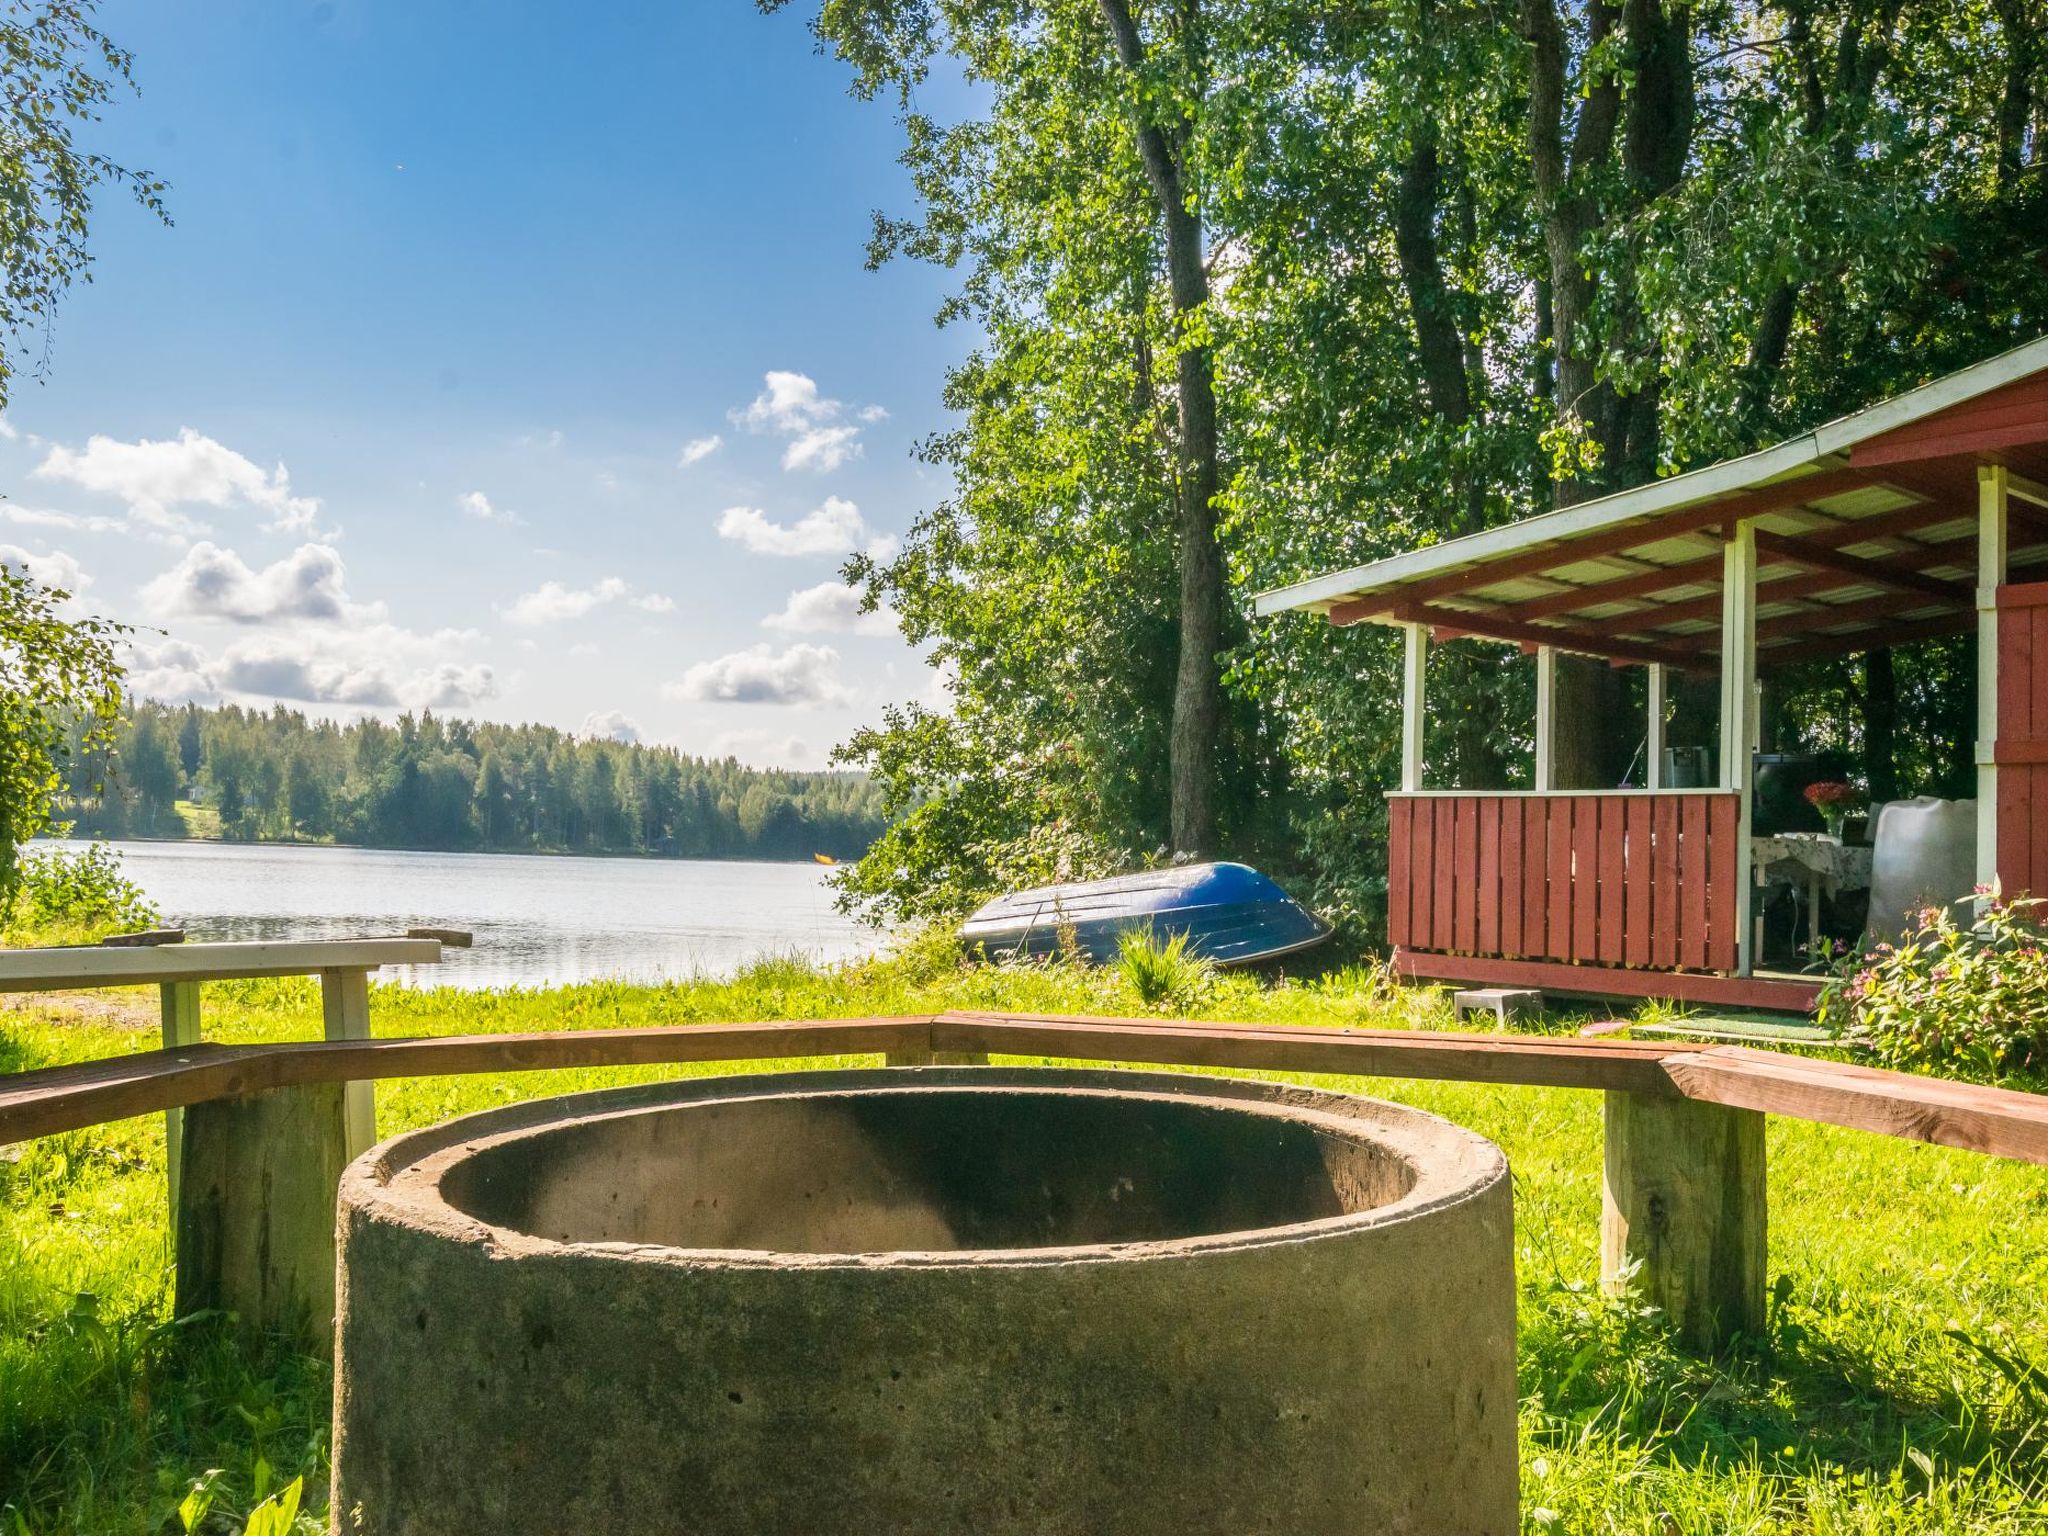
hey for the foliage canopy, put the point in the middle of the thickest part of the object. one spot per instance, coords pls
(60, 682)
(1464, 263)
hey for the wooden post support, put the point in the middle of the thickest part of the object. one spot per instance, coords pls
(1994, 491)
(1739, 715)
(345, 1005)
(1546, 716)
(180, 1001)
(1414, 675)
(1653, 735)
(1684, 1207)
(255, 1214)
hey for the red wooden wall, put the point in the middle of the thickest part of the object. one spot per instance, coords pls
(2021, 750)
(1642, 880)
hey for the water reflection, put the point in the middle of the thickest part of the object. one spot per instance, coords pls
(537, 920)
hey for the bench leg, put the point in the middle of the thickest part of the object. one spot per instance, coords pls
(180, 1000)
(255, 1213)
(1684, 1204)
(345, 1010)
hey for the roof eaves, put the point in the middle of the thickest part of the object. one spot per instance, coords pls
(1747, 473)
(1560, 527)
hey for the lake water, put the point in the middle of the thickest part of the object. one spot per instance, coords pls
(536, 919)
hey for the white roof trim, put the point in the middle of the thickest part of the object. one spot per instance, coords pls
(1747, 473)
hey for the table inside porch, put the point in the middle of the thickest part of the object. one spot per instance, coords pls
(1819, 860)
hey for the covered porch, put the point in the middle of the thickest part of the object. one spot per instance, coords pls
(1923, 517)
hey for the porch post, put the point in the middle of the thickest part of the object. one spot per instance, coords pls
(1653, 738)
(1993, 492)
(1738, 713)
(1546, 712)
(1414, 666)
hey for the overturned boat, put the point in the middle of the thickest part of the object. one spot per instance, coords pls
(1231, 914)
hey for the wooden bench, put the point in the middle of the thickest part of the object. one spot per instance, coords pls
(252, 1175)
(1684, 1206)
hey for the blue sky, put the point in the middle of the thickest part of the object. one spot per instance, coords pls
(515, 360)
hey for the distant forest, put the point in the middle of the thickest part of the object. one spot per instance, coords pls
(449, 784)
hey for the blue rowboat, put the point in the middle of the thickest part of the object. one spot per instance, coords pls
(1231, 914)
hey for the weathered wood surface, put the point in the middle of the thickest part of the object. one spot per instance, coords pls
(2020, 744)
(1544, 1061)
(1972, 1116)
(345, 1014)
(1682, 1219)
(180, 1010)
(1999, 1121)
(1608, 879)
(51, 1099)
(255, 1216)
(93, 965)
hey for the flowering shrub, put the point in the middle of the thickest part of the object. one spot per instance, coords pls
(1960, 1001)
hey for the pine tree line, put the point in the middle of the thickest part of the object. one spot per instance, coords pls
(430, 783)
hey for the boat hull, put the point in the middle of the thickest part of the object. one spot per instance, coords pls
(1230, 913)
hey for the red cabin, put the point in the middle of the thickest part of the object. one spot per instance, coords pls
(1924, 516)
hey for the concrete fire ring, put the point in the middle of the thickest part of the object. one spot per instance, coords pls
(973, 1300)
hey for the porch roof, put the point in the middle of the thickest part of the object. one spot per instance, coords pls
(1867, 534)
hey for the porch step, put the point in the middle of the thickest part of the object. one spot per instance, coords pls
(1504, 1003)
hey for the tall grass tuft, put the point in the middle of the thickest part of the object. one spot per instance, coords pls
(1162, 973)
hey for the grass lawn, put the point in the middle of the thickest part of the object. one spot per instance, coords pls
(1903, 1385)
(201, 821)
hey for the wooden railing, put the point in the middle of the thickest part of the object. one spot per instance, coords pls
(1629, 878)
(1684, 1126)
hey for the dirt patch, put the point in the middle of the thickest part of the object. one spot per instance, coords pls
(120, 1008)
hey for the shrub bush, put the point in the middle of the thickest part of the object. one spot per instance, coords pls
(1162, 972)
(83, 891)
(1960, 1001)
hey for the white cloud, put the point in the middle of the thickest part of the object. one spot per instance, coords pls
(836, 528)
(822, 449)
(43, 517)
(829, 608)
(477, 505)
(175, 670)
(380, 667)
(8, 430)
(764, 749)
(55, 569)
(214, 583)
(154, 478)
(790, 404)
(611, 725)
(803, 674)
(551, 602)
(698, 449)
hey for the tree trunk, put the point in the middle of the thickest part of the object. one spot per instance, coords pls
(1589, 747)
(1880, 725)
(1437, 341)
(1198, 683)
(2023, 58)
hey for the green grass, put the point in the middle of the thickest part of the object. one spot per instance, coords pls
(201, 821)
(1903, 1385)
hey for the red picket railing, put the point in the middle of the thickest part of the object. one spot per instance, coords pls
(1643, 879)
